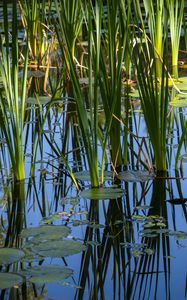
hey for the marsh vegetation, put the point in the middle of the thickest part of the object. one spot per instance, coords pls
(93, 137)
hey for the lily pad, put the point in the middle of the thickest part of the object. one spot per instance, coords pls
(143, 207)
(10, 255)
(181, 102)
(41, 100)
(51, 273)
(8, 280)
(85, 175)
(102, 193)
(36, 74)
(59, 248)
(182, 83)
(46, 232)
(136, 252)
(149, 251)
(135, 176)
(179, 235)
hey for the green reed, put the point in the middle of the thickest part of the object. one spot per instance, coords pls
(157, 23)
(150, 57)
(12, 95)
(175, 12)
(114, 52)
(33, 14)
(70, 21)
(154, 100)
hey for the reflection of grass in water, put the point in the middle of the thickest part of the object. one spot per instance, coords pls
(148, 268)
(137, 267)
(106, 73)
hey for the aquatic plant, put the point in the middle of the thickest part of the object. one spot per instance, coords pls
(157, 24)
(150, 57)
(88, 127)
(154, 99)
(12, 95)
(175, 12)
(33, 15)
(114, 52)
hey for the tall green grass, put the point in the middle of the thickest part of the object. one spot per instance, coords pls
(114, 52)
(154, 97)
(68, 22)
(157, 25)
(13, 93)
(176, 13)
(33, 14)
(107, 38)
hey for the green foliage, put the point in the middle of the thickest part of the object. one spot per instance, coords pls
(12, 97)
(102, 193)
(10, 255)
(51, 273)
(176, 13)
(150, 57)
(8, 280)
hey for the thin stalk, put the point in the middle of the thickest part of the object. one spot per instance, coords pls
(12, 97)
(175, 12)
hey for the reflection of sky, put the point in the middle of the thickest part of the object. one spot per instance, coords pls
(135, 195)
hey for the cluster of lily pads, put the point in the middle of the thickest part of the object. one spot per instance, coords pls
(39, 243)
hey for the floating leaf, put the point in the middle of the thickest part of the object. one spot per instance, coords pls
(96, 226)
(85, 175)
(149, 251)
(161, 224)
(139, 246)
(102, 193)
(182, 83)
(8, 280)
(41, 100)
(138, 218)
(150, 235)
(178, 102)
(79, 222)
(135, 176)
(59, 248)
(154, 231)
(136, 253)
(179, 235)
(143, 207)
(46, 232)
(10, 255)
(148, 225)
(51, 273)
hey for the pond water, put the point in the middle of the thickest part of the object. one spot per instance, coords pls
(129, 244)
